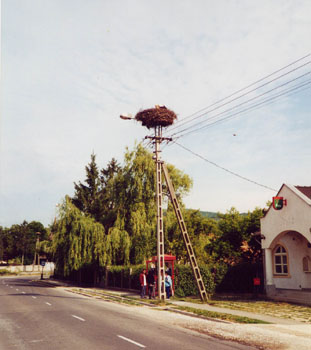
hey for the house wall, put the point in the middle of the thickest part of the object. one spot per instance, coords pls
(290, 227)
(295, 216)
(297, 247)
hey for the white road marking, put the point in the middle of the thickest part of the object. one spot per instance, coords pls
(36, 341)
(48, 304)
(23, 293)
(78, 318)
(34, 297)
(131, 341)
(16, 289)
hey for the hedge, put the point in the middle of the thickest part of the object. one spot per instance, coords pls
(185, 285)
(239, 279)
(219, 278)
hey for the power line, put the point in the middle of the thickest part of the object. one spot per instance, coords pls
(260, 104)
(227, 170)
(195, 116)
(242, 103)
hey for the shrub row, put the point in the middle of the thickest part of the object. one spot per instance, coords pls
(218, 278)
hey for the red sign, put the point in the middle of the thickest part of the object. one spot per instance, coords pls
(256, 281)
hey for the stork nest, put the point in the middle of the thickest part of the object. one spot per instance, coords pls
(158, 116)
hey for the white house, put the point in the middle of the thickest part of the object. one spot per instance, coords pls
(286, 242)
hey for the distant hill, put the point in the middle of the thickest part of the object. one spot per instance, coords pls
(213, 215)
(209, 214)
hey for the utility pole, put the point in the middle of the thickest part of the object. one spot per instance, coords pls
(157, 118)
(36, 251)
(160, 234)
(157, 138)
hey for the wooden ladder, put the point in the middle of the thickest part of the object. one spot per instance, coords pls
(183, 228)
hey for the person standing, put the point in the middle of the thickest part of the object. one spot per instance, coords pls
(143, 283)
(168, 284)
(151, 284)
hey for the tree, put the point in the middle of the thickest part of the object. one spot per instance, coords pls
(233, 242)
(87, 196)
(108, 193)
(97, 195)
(79, 241)
(199, 230)
(2, 243)
(123, 200)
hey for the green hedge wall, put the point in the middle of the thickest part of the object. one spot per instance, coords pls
(185, 285)
(239, 279)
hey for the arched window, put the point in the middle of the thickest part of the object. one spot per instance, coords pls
(280, 261)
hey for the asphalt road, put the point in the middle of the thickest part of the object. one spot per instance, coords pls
(39, 317)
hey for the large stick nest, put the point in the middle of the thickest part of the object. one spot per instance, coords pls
(158, 116)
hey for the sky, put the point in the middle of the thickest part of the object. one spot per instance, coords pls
(70, 68)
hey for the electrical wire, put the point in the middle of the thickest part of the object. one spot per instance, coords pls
(249, 108)
(195, 116)
(227, 170)
(243, 103)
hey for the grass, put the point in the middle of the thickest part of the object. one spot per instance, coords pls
(271, 308)
(221, 316)
(5, 272)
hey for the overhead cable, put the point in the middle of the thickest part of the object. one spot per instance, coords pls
(227, 170)
(260, 104)
(200, 113)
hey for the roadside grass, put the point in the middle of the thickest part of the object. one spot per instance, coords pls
(235, 302)
(5, 272)
(259, 305)
(263, 306)
(105, 296)
(221, 316)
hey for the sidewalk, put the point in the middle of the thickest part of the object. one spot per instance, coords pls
(207, 307)
(135, 295)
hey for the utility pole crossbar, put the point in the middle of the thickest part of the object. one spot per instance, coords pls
(183, 228)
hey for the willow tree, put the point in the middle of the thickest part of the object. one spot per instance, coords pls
(118, 247)
(122, 198)
(79, 241)
(136, 202)
(136, 199)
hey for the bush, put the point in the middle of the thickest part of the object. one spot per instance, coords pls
(6, 272)
(185, 284)
(239, 278)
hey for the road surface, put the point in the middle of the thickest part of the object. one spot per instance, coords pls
(36, 317)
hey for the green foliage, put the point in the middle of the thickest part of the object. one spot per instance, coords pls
(123, 200)
(79, 240)
(239, 278)
(118, 247)
(5, 272)
(185, 284)
(199, 228)
(19, 241)
(222, 316)
(233, 242)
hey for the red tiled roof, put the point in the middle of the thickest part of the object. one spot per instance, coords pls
(306, 190)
